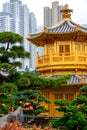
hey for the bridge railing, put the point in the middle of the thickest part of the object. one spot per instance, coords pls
(43, 120)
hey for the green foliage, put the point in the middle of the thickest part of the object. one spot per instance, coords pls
(8, 88)
(61, 102)
(81, 99)
(9, 96)
(33, 97)
(60, 121)
(6, 101)
(42, 98)
(11, 93)
(6, 98)
(54, 123)
(37, 82)
(76, 120)
(75, 112)
(10, 37)
(10, 51)
(23, 83)
(84, 128)
(34, 72)
(62, 80)
(83, 108)
(80, 117)
(39, 110)
(83, 89)
(71, 109)
(3, 109)
(14, 75)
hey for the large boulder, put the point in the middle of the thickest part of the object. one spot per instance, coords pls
(16, 115)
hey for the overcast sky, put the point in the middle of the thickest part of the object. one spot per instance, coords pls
(79, 8)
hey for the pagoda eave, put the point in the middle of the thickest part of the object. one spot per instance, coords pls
(36, 41)
(46, 38)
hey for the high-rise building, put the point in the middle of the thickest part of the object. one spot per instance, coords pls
(32, 47)
(52, 15)
(7, 22)
(17, 18)
(47, 17)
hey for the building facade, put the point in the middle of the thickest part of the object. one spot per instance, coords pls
(7, 22)
(18, 19)
(65, 52)
(52, 15)
(32, 47)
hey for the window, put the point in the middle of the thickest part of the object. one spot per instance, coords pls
(69, 96)
(46, 94)
(64, 49)
(58, 96)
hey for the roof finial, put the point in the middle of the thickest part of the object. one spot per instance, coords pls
(66, 12)
(77, 27)
(45, 30)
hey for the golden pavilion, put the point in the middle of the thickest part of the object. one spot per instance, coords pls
(65, 52)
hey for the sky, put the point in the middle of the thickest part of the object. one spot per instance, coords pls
(79, 7)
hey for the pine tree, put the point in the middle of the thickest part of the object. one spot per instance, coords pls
(75, 112)
(10, 51)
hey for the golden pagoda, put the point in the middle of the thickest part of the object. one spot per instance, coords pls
(65, 52)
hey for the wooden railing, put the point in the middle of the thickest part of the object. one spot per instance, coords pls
(43, 120)
(75, 58)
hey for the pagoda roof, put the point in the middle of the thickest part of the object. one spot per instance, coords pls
(66, 27)
(65, 30)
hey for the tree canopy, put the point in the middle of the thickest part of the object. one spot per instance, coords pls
(21, 86)
(32, 81)
(75, 112)
(31, 98)
(11, 49)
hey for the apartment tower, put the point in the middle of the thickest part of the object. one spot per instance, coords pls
(52, 15)
(17, 18)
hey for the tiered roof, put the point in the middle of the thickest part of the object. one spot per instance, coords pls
(66, 29)
(74, 79)
(66, 26)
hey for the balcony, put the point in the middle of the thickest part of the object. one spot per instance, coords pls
(62, 61)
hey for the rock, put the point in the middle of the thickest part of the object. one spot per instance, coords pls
(17, 114)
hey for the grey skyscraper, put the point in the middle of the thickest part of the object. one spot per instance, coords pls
(21, 21)
(52, 15)
(47, 17)
(7, 22)
(32, 48)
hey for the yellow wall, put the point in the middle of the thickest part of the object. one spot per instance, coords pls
(74, 46)
(60, 55)
(62, 92)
